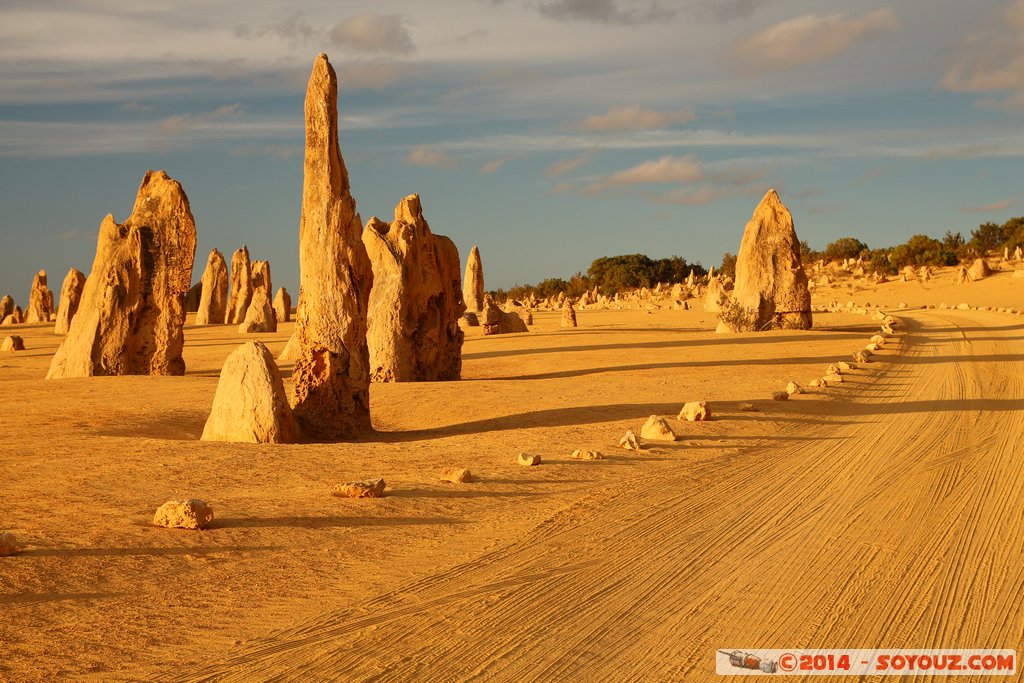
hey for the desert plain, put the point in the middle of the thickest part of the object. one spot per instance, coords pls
(885, 510)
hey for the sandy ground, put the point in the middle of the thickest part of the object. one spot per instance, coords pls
(888, 511)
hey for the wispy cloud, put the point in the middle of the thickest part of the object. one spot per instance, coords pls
(492, 166)
(962, 152)
(370, 32)
(633, 117)
(283, 152)
(811, 38)
(991, 60)
(667, 169)
(560, 168)
(135, 107)
(605, 11)
(181, 122)
(431, 157)
(990, 208)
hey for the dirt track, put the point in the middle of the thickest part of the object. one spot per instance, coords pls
(892, 517)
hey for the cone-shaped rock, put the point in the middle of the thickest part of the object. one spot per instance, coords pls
(413, 321)
(213, 304)
(497, 321)
(978, 270)
(771, 287)
(70, 300)
(133, 306)
(568, 313)
(6, 306)
(261, 276)
(283, 305)
(40, 300)
(260, 316)
(250, 404)
(194, 296)
(241, 286)
(332, 368)
(473, 287)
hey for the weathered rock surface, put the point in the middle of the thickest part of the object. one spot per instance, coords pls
(12, 343)
(695, 411)
(780, 396)
(794, 388)
(8, 544)
(371, 488)
(413, 329)
(714, 296)
(568, 313)
(250, 405)
(283, 305)
(6, 306)
(497, 321)
(260, 271)
(657, 429)
(771, 286)
(473, 286)
(241, 286)
(260, 317)
(213, 302)
(456, 475)
(40, 300)
(584, 454)
(629, 441)
(70, 300)
(529, 460)
(193, 297)
(332, 368)
(184, 514)
(132, 311)
(979, 269)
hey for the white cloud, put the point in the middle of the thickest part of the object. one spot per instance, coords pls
(605, 11)
(806, 39)
(667, 169)
(962, 152)
(629, 118)
(431, 157)
(370, 32)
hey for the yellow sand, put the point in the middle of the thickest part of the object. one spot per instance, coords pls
(883, 512)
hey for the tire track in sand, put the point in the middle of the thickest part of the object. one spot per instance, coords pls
(902, 528)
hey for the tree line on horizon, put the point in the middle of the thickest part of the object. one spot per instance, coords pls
(613, 274)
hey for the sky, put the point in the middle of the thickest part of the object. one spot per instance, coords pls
(548, 132)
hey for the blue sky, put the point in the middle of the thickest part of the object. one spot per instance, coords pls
(549, 132)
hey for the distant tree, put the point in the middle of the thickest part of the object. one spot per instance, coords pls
(986, 238)
(881, 262)
(808, 255)
(1013, 233)
(844, 248)
(921, 250)
(550, 287)
(728, 266)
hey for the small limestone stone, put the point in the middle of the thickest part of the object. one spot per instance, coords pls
(283, 305)
(629, 441)
(695, 411)
(370, 488)
(878, 339)
(844, 367)
(963, 307)
(862, 357)
(657, 429)
(832, 379)
(184, 514)
(794, 388)
(260, 318)
(528, 460)
(833, 370)
(456, 475)
(780, 396)
(872, 347)
(815, 383)
(568, 314)
(581, 454)
(8, 544)
(12, 343)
